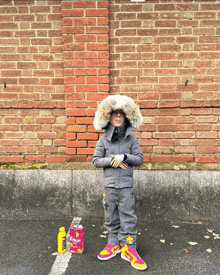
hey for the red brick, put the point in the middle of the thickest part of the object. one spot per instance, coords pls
(163, 135)
(186, 119)
(97, 13)
(73, 63)
(76, 128)
(85, 151)
(74, 80)
(54, 158)
(97, 63)
(70, 151)
(72, 96)
(72, 30)
(97, 30)
(206, 150)
(76, 112)
(84, 38)
(207, 135)
(146, 158)
(84, 21)
(84, 4)
(85, 55)
(183, 158)
(169, 104)
(74, 47)
(77, 158)
(76, 144)
(92, 144)
(167, 128)
(103, 4)
(15, 149)
(72, 13)
(71, 136)
(164, 7)
(191, 103)
(97, 47)
(103, 21)
(33, 158)
(206, 159)
(46, 135)
(45, 120)
(41, 41)
(84, 120)
(160, 158)
(163, 120)
(71, 120)
(13, 159)
(97, 79)
(209, 39)
(43, 104)
(87, 136)
(86, 88)
(66, 5)
(11, 142)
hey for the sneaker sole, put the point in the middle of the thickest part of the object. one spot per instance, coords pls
(112, 256)
(139, 268)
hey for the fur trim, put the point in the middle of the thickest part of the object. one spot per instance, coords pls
(115, 102)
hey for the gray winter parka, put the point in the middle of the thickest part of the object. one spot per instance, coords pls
(106, 149)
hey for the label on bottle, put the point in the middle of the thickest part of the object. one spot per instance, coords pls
(64, 243)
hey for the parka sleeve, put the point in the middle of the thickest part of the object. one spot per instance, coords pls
(135, 158)
(99, 159)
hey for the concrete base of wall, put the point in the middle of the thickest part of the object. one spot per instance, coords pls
(171, 194)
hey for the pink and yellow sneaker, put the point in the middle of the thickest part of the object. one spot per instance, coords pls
(130, 254)
(109, 252)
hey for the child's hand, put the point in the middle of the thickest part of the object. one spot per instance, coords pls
(123, 165)
(117, 159)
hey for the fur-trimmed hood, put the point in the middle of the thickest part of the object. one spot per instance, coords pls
(115, 102)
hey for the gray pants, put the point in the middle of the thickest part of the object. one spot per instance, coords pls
(120, 219)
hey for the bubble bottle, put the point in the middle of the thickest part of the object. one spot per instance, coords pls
(61, 240)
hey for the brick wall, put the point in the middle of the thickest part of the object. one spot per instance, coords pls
(59, 59)
(32, 109)
(166, 56)
(86, 72)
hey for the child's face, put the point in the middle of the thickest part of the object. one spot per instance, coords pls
(117, 118)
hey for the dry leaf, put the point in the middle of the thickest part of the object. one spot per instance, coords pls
(199, 222)
(210, 230)
(192, 243)
(215, 235)
(162, 241)
(186, 250)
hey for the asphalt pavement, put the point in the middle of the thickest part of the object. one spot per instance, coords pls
(169, 247)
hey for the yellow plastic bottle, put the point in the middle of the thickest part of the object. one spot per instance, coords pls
(61, 240)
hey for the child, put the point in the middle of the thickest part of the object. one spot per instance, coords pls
(117, 152)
